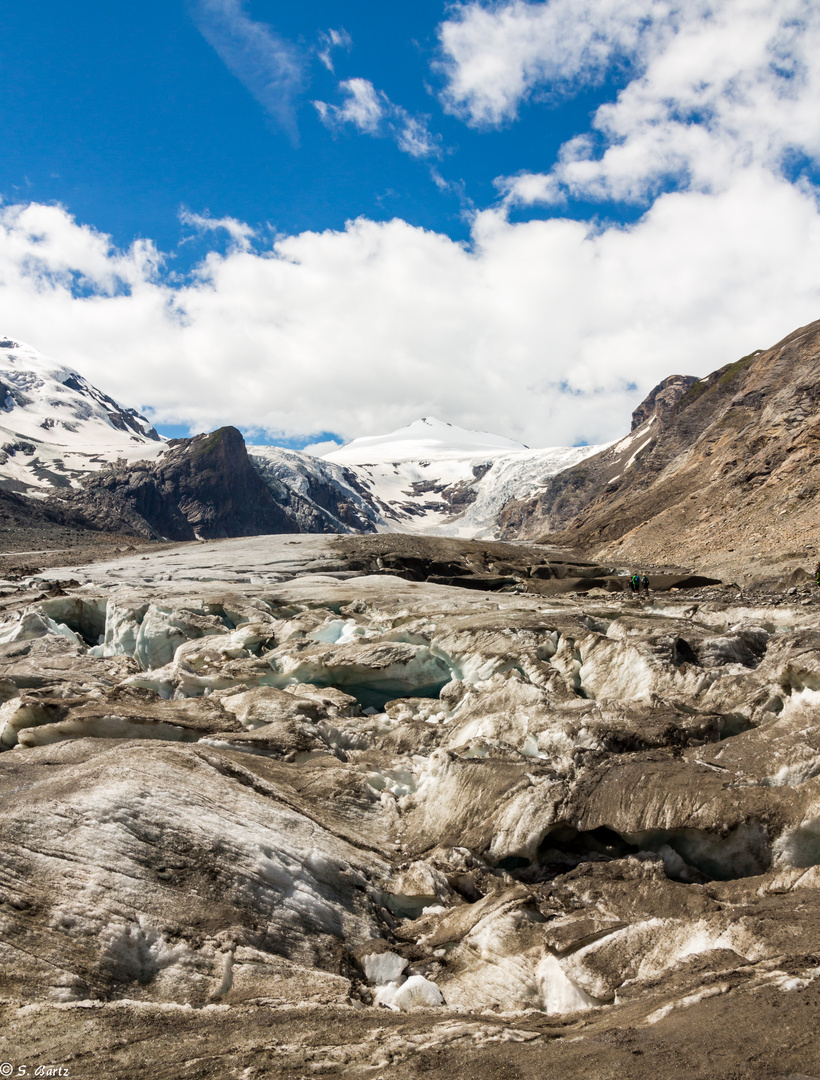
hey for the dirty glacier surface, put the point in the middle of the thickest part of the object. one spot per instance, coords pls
(258, 777)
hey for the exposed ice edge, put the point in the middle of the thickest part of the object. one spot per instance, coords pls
(184, 649)
(394, 988)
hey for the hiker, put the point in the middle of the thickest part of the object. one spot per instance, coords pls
(817, 574)
(645, 583)
(635, 582)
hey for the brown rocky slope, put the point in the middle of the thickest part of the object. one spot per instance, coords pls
(720, 472)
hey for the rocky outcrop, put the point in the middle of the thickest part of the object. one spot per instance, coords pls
(319, 495)
(200, 488)
(723, 475)
(662, 401)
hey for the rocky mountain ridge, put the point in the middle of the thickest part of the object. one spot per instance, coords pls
(717, 473)
(726, 473)
(197, 489)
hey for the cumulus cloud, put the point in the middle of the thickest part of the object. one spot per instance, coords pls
(495, 56)
(270, 67)
(718, 86)
(539, 330)
(371, 112)
(333, 39)
(529, 189)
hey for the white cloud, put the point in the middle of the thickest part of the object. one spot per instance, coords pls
(719, 86)
(529, 189)
(534, 330)
(321, 448)
(413, 137)
(240, 233)
(372, 112)
(454, 187)
(364, 107)
(495, 56)
(333, 39)
(270, 67)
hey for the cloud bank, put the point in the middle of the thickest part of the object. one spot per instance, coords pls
(545, 331)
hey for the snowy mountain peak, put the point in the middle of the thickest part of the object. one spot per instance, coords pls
(55, 426)
(424, 439)
(432, 476)
(45, 401)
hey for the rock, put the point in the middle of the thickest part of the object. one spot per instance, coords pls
(661, 402)
(200, 488)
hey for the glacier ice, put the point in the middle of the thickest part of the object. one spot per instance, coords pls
(546, 804)
(415, 992)
(383, 967)
(558, 993)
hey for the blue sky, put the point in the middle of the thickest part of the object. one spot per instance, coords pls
(125, 114)
(319, 221)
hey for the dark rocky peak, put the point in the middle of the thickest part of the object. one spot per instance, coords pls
(201, 488)
(662, 400)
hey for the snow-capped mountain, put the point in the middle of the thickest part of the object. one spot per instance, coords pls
(435, 477)
(55, 426)
(57, 430)
(427, 439)
(428, 477)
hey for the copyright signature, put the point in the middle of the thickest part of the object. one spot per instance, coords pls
(7, 1069)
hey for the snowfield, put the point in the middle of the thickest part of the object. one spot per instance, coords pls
(55, 426)
(427, 439)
